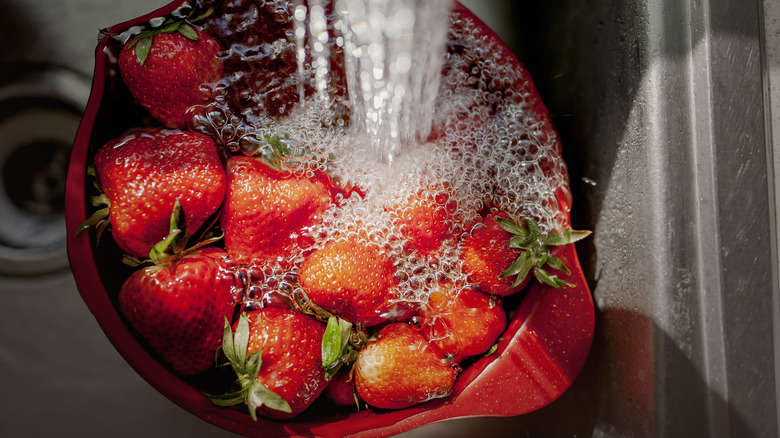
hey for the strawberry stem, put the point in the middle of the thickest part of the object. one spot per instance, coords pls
(176, 239)
(534, 254)
(307, 306)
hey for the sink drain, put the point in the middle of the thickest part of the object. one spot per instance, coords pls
(40, 110)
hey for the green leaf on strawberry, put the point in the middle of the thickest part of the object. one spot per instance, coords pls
(269, 149)
(535, 256)
(336, 347)
(98, 219)
(251, 392)
(188, 32)
(492, 350)
(174, 245)
(335, 339)
(143, 41)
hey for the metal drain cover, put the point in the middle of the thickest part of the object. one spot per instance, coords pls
(40, 109)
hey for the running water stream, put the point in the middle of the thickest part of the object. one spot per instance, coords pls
(393, 53)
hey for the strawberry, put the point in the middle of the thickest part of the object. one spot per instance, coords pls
(268, 211)
(400, 369)
(502, 246)
(462, 322)
(142, 176)
(179, 307)
(340, 390)
(352, 278)
(424, 219)
(168, 69)
(276, 354)
(486, 255)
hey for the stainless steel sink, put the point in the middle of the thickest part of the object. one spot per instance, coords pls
(670, 113)
(61, 376)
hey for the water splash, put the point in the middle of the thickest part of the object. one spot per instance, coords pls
(311, 20)
(393, 53)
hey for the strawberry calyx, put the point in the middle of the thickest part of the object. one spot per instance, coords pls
(305, 305)
(174, 245)
(99, 219)
(250, 391)
(270, 149)
(341, 341)
(176, 239)
(535, 255)
(143, 41)
(340, 345)
(276, 151)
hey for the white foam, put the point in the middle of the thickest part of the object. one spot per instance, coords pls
(491, 150)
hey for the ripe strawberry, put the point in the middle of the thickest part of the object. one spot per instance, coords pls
(144, 173)
(501, 247)
(267, 211)
(462, 322)
(168, 69)
(424, 219)
(340, 390)
(351, 278)
(276, 354)
(486, 255)
(400, 369)
(179, 308)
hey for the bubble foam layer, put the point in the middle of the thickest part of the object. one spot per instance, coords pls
(492, 146)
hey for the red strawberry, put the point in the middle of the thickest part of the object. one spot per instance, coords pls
(502, 246)
(340, 390)
(424, 219)
(168, 69)
(351, 278)
(486, 255)
(179, 308)
(267, 211)
(400, 369)
(144, 173)
(277, 356)
(462, 322)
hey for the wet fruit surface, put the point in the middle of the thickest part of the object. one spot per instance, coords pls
(311, 225)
